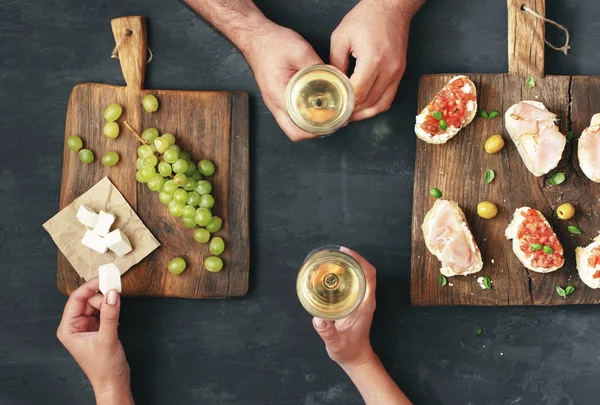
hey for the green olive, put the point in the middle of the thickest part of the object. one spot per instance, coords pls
(494, 144)
(565, 211)
(487, 210)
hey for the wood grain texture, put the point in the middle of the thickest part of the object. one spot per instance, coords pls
(133, 49)
(211, 125)
(526, 38)
(457, 169)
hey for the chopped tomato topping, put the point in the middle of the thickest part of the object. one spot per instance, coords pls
(451, 101)
(533, 230)
(594, 260)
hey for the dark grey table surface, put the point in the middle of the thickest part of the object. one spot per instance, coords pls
(354, 188)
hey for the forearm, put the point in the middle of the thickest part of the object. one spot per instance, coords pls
(239, 20)
(375, 384)
(406, 8)
(118, 395)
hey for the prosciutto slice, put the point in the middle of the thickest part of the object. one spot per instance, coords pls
(588, 150)
(533, 130)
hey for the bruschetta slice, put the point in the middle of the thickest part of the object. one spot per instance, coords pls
(533, 130)
(534, 242)
(588, 150)
(452, 109)
(448, 237)
(588, 263)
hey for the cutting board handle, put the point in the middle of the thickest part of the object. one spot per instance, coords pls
(526, 36)
(130, 34)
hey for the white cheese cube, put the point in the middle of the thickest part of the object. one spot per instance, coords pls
(94, 242)
(87, 216)
(118, 242)
(105, 221)
(110, 278)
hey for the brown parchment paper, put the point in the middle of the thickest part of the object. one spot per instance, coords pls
(67, 231)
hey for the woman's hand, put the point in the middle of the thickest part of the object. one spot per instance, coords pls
(347, 340)
(275, 54)
(88, 330)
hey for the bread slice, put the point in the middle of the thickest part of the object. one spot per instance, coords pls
(586, 273)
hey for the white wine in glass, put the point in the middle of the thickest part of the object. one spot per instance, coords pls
(331, 284)
(319, 99)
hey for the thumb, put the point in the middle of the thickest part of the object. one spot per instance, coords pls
(325, 329)
(109, 316)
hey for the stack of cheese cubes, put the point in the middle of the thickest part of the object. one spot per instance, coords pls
(98, 236)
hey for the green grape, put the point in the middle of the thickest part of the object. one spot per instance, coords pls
(110, 159)
(197, 176)
(112, 112)
(175, 208)
(171, 156)
(203, 187)
(170, 138)
(180, 179)
(138, 177)
(156, 182)
(189, 223)
(201, 235)
(165, 169)
(162, 145)
(177, 266)
(165, 197)
(151, 161)
(191, 169)
(181, 196)
(139, 163)
(180, 166)
(203, 216)
(185, 156)
(111, 130)
(150, 134)
(217, 246)
(207, 201)
(189, 211)
(193, 199)
(175, 148)
(213, 264)
(170, 187)
(206, 167)
(74, 143)
(86, 156)
(150, 103)
(215, 225)
(147, 173)
(144, 151)
(153, 147)
(190, 184)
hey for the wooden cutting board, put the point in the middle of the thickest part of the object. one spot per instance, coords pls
(457, 169)
(211, 125)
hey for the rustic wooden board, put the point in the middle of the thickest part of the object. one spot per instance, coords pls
(458, 168)
(212, 125)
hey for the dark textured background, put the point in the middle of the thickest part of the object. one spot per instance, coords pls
(354, 188)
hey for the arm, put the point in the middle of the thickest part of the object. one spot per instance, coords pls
(375, 32)
(275, 53)
(348, 344)
(89, 331)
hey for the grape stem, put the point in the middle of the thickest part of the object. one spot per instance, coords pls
(135, 133)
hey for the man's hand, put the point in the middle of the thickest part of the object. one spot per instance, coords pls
(88, 330)
(347, 340)
(375, 32)
(275, 55)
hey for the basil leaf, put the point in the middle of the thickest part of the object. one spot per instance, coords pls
(574, 230)
(570, 136)
(560, 291)
(435, 192)
(489, 176)
(443, 280)
(487, 282)
(479, 331)
(494, 114)
(569, 290)
(558, 178)
(483, 113)
(530, 82)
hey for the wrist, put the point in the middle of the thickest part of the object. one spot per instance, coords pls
(248, 32)
(113, 394)
(406, 9)
(366, 358)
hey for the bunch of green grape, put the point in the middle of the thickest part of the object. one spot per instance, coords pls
(181, 186)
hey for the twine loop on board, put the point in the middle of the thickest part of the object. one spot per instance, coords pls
(115, 52)
(565, 48)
